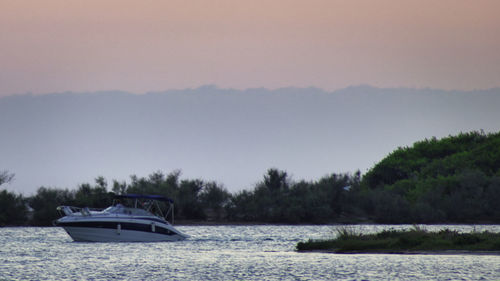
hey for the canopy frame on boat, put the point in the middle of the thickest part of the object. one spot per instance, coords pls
(152, 202)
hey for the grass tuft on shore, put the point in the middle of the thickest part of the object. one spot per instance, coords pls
(415, 239)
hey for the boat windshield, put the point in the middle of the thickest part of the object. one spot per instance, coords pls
(120, 209)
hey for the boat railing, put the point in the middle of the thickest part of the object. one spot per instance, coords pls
(70, 210)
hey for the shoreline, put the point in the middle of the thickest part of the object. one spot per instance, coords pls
(382, 252)
(415, 240)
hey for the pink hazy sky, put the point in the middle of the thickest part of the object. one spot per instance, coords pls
(148, 45)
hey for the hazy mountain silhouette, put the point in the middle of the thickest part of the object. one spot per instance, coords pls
(231, 136)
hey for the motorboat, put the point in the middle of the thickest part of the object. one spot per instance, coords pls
(143, 221)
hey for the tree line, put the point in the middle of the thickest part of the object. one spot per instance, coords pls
(276, 199)
(455, 179)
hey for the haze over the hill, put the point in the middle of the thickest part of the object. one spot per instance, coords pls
(230, 136)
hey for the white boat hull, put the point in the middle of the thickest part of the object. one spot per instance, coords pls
(90, 234)
(118, 229)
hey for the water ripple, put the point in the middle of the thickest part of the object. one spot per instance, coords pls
(226, 252)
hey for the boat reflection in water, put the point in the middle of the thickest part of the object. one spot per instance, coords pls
(144, 222)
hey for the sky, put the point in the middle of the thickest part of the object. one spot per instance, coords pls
(142, 46)
(138, 47)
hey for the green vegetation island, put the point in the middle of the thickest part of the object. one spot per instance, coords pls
(455, 179)
(413, 241)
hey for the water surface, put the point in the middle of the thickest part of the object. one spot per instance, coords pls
(263, 252)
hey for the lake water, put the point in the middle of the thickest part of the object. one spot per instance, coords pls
(263, 252)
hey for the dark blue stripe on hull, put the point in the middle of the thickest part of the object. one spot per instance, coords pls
(123, 225)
